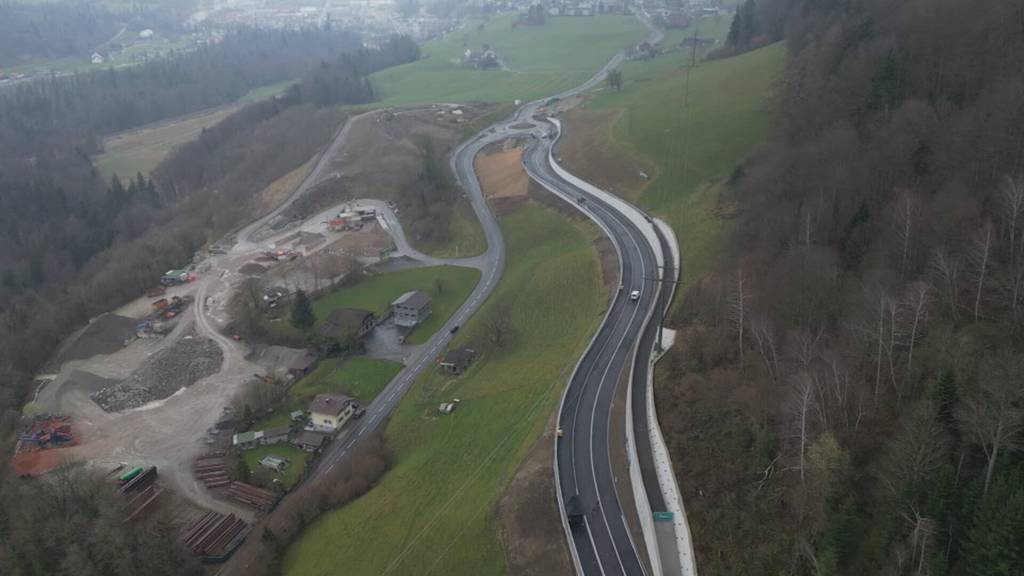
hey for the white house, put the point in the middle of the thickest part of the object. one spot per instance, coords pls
(329, 412)
(97, 58)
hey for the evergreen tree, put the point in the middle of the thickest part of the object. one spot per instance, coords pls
(995, 543)
(302, 311)
(615, 78)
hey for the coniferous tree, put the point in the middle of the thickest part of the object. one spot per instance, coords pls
(302, 311)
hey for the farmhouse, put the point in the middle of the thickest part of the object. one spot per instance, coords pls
(411, 308)
(328, 412)
(457, 361)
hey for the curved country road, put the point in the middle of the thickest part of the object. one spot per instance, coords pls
(605, 546)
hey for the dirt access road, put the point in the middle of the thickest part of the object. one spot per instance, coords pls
(169, 433)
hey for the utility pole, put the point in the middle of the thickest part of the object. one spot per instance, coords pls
(686, 102)
(693, 64)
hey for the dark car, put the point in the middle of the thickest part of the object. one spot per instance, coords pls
(574, 511)
(454, 329)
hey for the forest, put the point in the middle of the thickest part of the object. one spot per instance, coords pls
(848, 396)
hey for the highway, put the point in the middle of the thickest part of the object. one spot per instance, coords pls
(602, 544)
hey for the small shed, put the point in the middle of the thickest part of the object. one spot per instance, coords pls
(174, 277)
(301, 365)
(297, 416)
(457, 361)
(247, 440)
(275, 435)
(310, 441)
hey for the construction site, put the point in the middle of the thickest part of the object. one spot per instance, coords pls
(149, 386)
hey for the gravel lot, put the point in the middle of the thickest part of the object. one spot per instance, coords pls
(183, 364)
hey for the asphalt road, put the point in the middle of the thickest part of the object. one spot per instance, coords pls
(491, 264)
(603, 542)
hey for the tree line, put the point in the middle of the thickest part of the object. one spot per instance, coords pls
(848, 396)
(57, 212)
(73, 522)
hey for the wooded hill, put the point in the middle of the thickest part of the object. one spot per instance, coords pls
(848, 395)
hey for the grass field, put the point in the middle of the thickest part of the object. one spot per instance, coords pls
(541, 60)
(695, 146)
(359, 377)
(296, 461)
(448, 287)
(142, 149)
(467, 238)
(434, 510)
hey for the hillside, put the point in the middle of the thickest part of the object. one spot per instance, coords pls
(847, 396)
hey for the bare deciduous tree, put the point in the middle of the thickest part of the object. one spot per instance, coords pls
(1011, 209)
(917, 451)
(737, 309)
(992, 415)
(947, 270)
(764, 337)
(498, 325)
(916, 305)
(921, 541)
(802, 404)
(981, 254)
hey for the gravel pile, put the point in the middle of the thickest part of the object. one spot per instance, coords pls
(106, 334)
(166, 372)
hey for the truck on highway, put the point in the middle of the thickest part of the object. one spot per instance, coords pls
(574, 511)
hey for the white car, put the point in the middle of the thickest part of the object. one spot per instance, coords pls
(634, 295)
